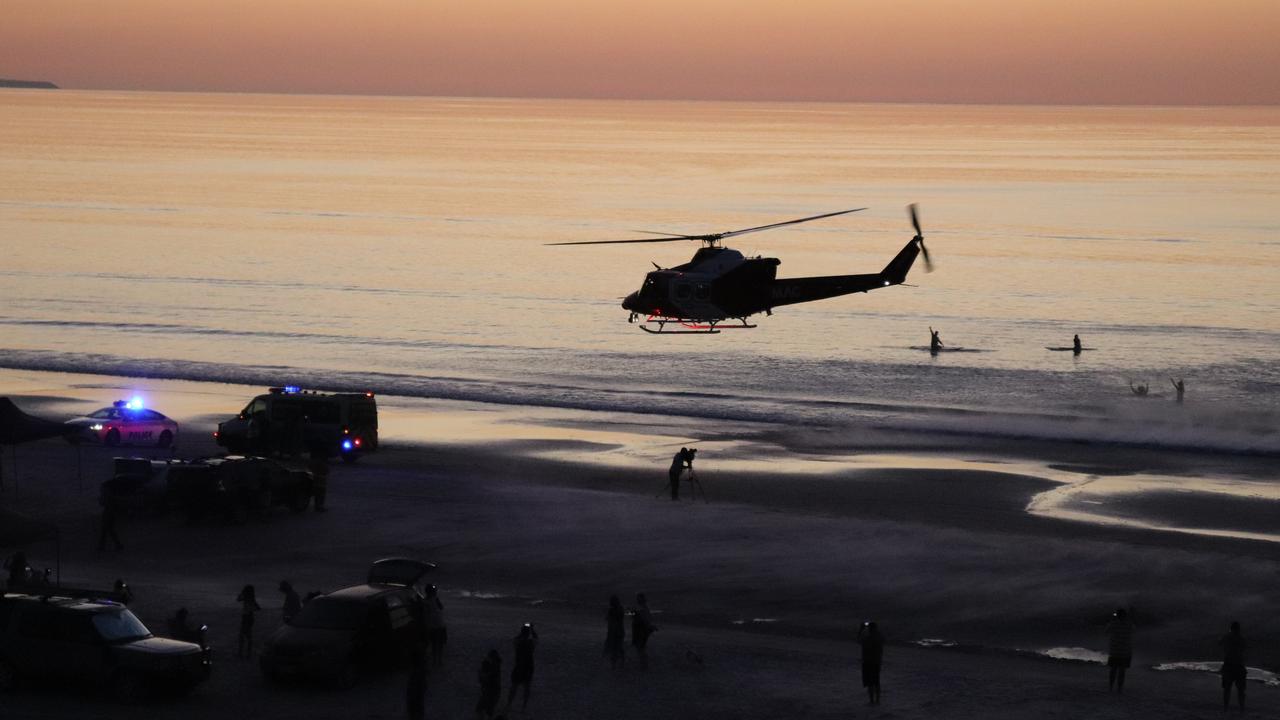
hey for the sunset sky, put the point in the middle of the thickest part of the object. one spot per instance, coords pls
(1005, 51)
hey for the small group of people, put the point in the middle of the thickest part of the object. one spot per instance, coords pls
(642, 628)
(249, 608)
(1120, 656)
(1142, 388)
(490, 674)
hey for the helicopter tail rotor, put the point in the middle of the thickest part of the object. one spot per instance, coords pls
(915, 223)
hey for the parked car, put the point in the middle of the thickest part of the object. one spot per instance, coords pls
(340, 635)
(63, 635)
(126, 422)
(291, 421)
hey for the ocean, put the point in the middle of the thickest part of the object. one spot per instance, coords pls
(400, 245)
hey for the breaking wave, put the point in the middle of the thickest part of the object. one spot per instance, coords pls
(1207, 428)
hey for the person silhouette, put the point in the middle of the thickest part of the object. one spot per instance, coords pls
(318, 464)
(522, 672)
(1233, 668)
(415, 689)
(180, 625)
(935, 342)
(679, 462)
(616, 634)
(109, 499)
(292, 603)
(872, 643)
(1076, 347)
(122, 591)
(490, 685)
(641, 628)
(248, 607)
(1180, 386)
(18, 570)
(1140, 390)
(437, 630)
(1119, 649)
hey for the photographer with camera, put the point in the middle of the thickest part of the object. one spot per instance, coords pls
(681, 461)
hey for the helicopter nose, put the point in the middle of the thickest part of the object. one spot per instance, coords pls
(631, 302)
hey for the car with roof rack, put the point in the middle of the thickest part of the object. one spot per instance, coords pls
(88, 637)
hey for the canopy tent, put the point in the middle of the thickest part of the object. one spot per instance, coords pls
(17, 427)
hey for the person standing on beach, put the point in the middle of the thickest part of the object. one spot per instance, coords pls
(433, 619)
(872, 643)
(1119, 648)
(641, 628)
(1233, 669)
(616, 635)
(1179, 386)
(319, 467)
(415, 691)
(122, 591)
(18, 571)
(490, 685)
(678, 463)
(248, 608)
(292, 603)
(522, 673)
(109, 499)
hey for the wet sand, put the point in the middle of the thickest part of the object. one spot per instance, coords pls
(539, 515)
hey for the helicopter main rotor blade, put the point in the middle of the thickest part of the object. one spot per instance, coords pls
(709, 237)
(734, 233)
(673, 236)
(638, 240)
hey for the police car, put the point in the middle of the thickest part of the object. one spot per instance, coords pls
(126, 422)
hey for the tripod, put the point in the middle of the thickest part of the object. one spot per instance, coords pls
(695, 485)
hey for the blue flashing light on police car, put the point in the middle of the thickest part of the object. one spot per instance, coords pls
(346, 445)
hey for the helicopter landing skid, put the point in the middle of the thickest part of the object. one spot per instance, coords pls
(686, 326)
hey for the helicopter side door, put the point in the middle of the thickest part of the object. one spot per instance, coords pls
(691, 296)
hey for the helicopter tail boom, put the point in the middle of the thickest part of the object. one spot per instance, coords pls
(789, 291)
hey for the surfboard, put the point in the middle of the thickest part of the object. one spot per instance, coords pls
(1067, 349)
(945, 348)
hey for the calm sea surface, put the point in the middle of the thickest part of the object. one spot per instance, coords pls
(398, 244)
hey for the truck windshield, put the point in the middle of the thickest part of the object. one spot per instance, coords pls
(330, 614)
(120, 626)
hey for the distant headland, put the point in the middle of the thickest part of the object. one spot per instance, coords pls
(37, 84)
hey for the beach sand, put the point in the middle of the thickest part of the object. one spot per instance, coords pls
(539, 515)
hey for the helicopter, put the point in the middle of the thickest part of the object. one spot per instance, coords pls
(720, 288)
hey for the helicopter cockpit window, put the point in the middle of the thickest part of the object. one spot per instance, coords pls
(682, 291)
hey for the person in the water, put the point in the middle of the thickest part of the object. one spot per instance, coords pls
(1180, 386)
(1140, 390)
(935, 342)
(1075, 345)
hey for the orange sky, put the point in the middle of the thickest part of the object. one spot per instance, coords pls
(1041, 51)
